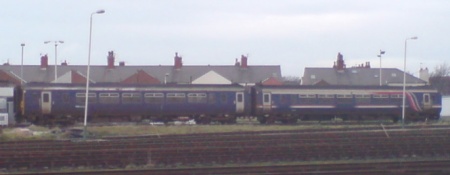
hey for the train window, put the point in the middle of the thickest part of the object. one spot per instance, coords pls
(266, 98)
(239, 98)
(35, 96)
(80, 98)
(381, 99)
(223, 98)
(397, 96)
(46, 98)
(154, 98)
(344, 96)
(325, 98)
(344, 99)
(211, 98)
(109, 98)
(362, 98)
(380, 96)
(307, 98)
(196, 98)
(426, 98)
(130, 98)
(176, 97)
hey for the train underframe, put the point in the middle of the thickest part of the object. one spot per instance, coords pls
(53, 120)
(292, 118)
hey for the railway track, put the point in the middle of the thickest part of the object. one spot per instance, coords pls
(398, 167)
(227, 148)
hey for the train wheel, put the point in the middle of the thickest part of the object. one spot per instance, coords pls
(262, 119)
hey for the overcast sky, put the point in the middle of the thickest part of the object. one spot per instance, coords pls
(292, 33)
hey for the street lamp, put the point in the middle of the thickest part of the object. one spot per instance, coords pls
(21, 65)
(404, 80)
(56, 57)
(87, 74)
(381, 53)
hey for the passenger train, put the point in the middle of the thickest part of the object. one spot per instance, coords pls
(58, 103)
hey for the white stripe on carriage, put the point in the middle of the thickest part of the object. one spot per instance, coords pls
(322, 106)
(379, 106)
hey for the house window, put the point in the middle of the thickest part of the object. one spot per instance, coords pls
(313, 76)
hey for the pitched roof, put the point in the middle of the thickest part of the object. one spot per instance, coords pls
(211, 78)
(357, 76)
(184, 75)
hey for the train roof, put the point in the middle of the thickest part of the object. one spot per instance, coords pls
(115, 86)
(342, 87)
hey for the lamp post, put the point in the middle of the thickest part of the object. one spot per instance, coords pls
(381, 53)
(87, 73)
(56, 57)
(21, 65)
(404, 80)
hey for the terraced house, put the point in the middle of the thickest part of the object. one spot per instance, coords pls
(178, 73)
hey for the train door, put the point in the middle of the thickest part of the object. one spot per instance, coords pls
(46, 102)
(239, 102)
(426, 101)
(267, 102)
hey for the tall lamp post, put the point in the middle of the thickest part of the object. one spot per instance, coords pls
(381, 53)
(87, 73)
(21, 65)
(56, 57)
(404, 80)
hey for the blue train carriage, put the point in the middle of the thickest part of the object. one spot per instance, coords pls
(287, 104)
(46, 103)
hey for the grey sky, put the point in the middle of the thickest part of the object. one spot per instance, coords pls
(291, 33)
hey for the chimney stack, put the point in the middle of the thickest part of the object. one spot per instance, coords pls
(122, 63)
(111, 60)
(424, 75)
(340, 62)
(243, 61)
(178, 61)
(44, 61)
